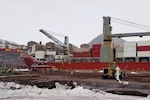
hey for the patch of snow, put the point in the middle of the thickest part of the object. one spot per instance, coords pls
(21, 92)
(125, 82)
(22, 70)
(100, 71)
(133, 72)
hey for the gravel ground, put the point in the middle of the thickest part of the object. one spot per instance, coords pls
(137, 84)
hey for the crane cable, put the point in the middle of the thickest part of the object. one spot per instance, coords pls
(117, 20)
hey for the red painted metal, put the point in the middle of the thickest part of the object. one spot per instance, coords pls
(80, 65)
(133, 66)
(81, 54)
(96, 46)
(96, 50)
(2, 48)
(143, 48)
(29, 60)
(95, 54)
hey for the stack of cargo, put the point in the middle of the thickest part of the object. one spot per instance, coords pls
(40, 55)
(84, 51)
(143, 51)
(96, 50)
(129, 51)
(119, 53)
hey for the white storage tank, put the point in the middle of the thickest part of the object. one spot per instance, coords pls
(40, 55)
(130, 49)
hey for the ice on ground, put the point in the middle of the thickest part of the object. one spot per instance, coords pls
(12, 91)
(100, 71)
(134, 73)
(22, 70)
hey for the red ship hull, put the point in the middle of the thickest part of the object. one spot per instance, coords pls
(35, 65)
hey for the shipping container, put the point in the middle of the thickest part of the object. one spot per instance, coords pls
(40, 54)
(130, 49)
(119, 55)
(130, 44)
(143, 48)
(98, 46)
(81, 54)
(50, 52)
(143, 53)
(94, 54)
(96, 50)
(129, 54)
(143, 43)
(119, 49)
(81, 49)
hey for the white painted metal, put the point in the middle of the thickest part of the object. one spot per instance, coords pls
(128, 44)
(119, 49)
(143, 43)
(81, 49)
(106, 52)
(50, 52)
(119, 55)
(129, 49)
(143, 53)
(39, 54)
(129, 54)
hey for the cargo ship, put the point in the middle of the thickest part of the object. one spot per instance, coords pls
(33, 64)
(133, 56)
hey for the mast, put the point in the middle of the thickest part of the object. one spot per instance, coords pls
(106, 52)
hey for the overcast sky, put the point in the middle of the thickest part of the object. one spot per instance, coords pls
(81, 20)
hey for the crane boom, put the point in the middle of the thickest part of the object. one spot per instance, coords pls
(107, 54)
(65, 45)
(140, 34)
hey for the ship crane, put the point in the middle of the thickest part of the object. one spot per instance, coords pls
(107, 49)
(107, 53)
(65, 45)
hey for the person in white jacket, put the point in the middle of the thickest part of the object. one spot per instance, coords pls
(117, 74)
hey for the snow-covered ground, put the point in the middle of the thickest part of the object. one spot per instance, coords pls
(12, 91)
